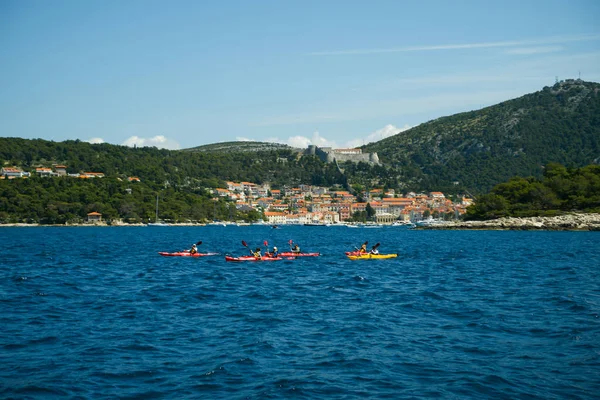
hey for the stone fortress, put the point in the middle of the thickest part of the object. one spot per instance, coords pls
(329, 155)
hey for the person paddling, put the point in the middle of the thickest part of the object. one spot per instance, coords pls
(194, 249)
(363, 248)
(256, 253)
(275, 252)
(374, 250)
(295, 248)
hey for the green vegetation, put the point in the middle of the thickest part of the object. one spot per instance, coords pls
(479, 149)
(560, 190)
(181, 178)
(465, 153)
(363, 216)
(61, 200)
(176, 169)
(236, 147)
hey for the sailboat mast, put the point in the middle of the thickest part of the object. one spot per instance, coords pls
(156, 217)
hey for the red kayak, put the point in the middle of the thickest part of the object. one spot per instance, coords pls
(252, 258)
(292, 254)
(185, 254)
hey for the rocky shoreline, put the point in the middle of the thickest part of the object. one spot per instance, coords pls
(567, 222)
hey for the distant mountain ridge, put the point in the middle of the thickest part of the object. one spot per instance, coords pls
(481, 148)
(241, 146)
(466, 152)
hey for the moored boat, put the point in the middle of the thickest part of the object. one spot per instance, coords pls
(157, 222)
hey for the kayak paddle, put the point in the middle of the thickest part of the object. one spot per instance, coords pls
(364, 244)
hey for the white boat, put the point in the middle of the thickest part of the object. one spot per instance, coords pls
(404, 224)
(430, 222)
(156, 221)
(401, 223)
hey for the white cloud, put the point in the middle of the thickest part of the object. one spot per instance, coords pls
(159, 141)
(484, 45)
(302, 142)
(380, 134)
(296, 141)
(96, 140)
(320, 141)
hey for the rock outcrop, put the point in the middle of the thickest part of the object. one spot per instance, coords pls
(568, 222)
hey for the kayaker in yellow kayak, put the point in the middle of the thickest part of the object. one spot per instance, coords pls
(363, 248)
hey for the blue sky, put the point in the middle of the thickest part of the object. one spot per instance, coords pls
(181, 74)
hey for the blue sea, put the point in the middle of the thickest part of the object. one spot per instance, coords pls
(97, 313)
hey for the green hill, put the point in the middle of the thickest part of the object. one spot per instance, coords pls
(479, 149)
(230, 147)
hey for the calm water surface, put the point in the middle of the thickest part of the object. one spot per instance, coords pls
(97, 313)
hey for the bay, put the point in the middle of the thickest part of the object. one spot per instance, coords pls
(95, 312)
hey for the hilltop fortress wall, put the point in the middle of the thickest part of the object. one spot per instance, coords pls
(329, 155)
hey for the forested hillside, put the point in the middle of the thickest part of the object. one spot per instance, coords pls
(63, 199)
(465, 153)
(478, 149)
(182, 180)
(174, 168)
(560, 190)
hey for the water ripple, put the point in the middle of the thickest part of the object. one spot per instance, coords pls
(458, 315)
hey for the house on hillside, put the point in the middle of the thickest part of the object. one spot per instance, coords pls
(45, 172)
(94, 217)
(61, 170)
(13, 172)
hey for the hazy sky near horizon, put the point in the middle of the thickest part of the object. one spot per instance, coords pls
(342, 73)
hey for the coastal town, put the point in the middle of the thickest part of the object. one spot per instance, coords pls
(305, 204)
(308, 204)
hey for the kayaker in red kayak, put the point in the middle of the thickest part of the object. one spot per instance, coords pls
(295, 248)
(256, 253)
(194, 249)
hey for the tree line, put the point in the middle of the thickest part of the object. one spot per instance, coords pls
(68, 200)
(560, 190)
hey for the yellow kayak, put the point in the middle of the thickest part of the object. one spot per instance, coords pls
(372, 256)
